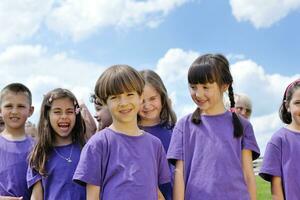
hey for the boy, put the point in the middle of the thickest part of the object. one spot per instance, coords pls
(15, 108)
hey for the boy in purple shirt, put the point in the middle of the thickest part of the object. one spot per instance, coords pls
(122, 161)
(15, 108)
(281, 160)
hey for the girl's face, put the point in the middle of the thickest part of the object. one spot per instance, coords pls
(294, 108)
(102, 116)
(124, 107)
(151, 107)
(208, 97)
(15, 109)
(62, 119)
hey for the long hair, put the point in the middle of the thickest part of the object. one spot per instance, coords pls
(118, 79)
(167, 115)
(46, 136)
(210, 68)
(284, 114)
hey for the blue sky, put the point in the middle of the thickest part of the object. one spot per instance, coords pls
(53, 43)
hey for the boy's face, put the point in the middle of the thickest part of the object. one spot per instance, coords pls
(124, 107)
(15, 109)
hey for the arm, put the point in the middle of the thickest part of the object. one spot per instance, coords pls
(248, 172)
(178, 190)
(276, 188)
(37, 191)
(160, 195)
(89, 121)
(92, 192)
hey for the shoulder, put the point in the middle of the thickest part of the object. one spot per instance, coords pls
(148, 136)
(279, 136)
(185, 120)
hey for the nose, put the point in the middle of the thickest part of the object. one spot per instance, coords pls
(123, 100)
(198, 92)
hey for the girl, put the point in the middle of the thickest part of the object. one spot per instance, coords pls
(156, 115)
(281, 160)
(102, 114)
(212, 148)
(56, 154)
(122, 162)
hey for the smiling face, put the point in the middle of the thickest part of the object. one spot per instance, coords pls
(151, 107)
(62, 119)
(15, 109)
(102, 116)
(208, 97)
(294, 108)
(124, 107)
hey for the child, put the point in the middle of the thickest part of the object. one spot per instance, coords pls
(122, 162)
(156, 115)
(15, 145)
(281, 160)
(212, 148)
(56, 154)
(243, 105)
(102, 114)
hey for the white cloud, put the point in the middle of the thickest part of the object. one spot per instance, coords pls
(261, 13)
(21, 19)
(41, 71)
(80, 18)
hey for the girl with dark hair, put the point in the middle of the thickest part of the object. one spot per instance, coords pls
(57, 151)
(281, 160)
(212, 148)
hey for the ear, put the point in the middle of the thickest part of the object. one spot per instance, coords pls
(224, 87)
(31, 110)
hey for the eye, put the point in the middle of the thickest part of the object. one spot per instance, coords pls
(130, 94)
(112, 97)
(70, 112)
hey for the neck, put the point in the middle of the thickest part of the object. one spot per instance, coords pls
(294, 127)
(14, 135)
(127, 129)
(62, 142)
(144, 122)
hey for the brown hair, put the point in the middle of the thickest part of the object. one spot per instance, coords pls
(16, 88)
(167, 115)
(45, 137)
(118, 79)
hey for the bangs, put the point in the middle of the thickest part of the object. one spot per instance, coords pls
(201, 74)
(117, 80)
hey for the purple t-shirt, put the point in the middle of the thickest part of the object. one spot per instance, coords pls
(124, 167)
(13, 166)
(212, 156)
(58, 183)
(282, 159)
(160, 132)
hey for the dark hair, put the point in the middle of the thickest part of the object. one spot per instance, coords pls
(95, 100)
(284, 114)
(167, 115)
(17, 88)
(44, 146)
(118, 79)
(210, 68)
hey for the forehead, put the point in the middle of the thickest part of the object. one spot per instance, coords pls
(62, 103)
(296, 94)
(15, 98)
(149, 90)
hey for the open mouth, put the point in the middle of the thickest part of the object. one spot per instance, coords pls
(64, 127)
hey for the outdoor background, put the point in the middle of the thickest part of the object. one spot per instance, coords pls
(68, 43)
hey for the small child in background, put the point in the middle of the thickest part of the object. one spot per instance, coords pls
(243, 105)
(55, 156)
(281, 164)
(212, 148)
(121, 161)
(15, 145)
(30, 129)
(156, 115)
(1, 123)
(102, 114)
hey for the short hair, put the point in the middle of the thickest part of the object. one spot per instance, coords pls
(16, 88)
(118, 79)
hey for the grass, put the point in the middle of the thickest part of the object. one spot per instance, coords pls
(263, 189)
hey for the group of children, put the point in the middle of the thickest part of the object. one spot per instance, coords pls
(140, 151)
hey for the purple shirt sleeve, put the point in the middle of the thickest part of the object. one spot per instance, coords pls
(89, 168)
(249, 141)
(32, 177)
(163, 168)
(272, 160)
(175, 151)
